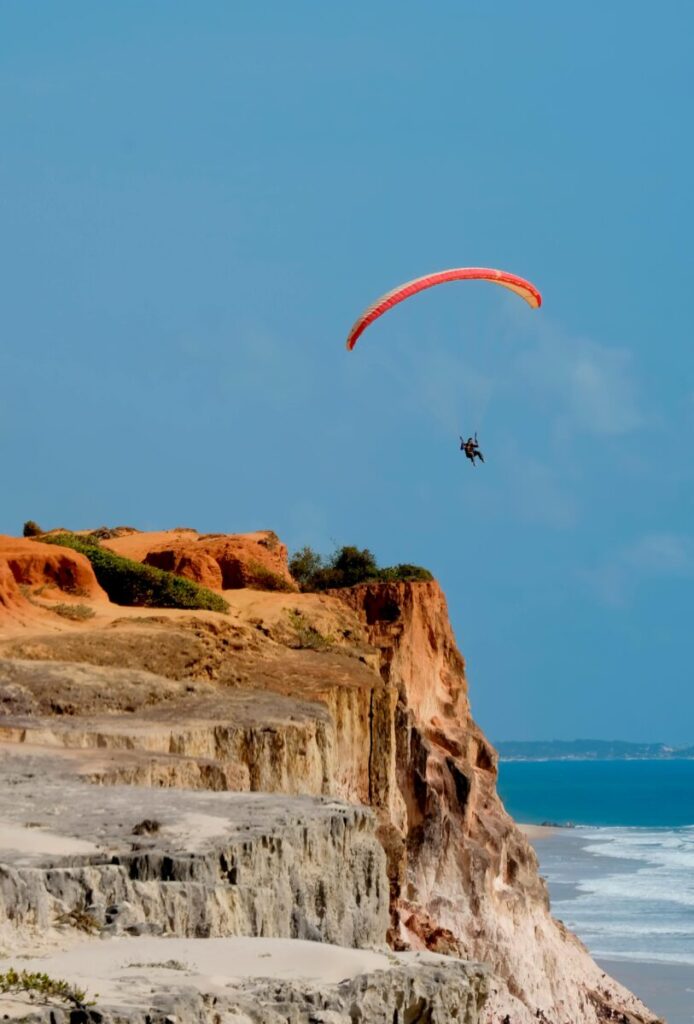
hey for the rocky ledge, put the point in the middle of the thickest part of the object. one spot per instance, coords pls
(258, 981)
(313, 767)
(139, 861)
(138, 885)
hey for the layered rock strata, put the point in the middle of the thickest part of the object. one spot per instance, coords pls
(464, 879)
(360, 695)
(163, 862)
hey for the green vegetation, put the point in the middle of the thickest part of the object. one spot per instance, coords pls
(304, 565)
(107, 532)
(170, 965)
(404, 573)
(76, 612)
(131, 583)
(306, 636)
(30, 595)
(347, 567)
(34, 981)
(31, 529)
(266, 579)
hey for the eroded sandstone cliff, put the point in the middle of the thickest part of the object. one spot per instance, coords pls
(465, 878)
(358, 695)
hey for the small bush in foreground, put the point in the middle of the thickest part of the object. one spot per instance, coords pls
(131, 583)
(76, 612)
(347, 567)
(306, 636)
(34, 981)
(170, 965)
(80, 919)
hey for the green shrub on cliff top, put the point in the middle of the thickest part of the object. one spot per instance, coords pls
(131, 583)
(347, 567)
(405, 573)
(304, 564)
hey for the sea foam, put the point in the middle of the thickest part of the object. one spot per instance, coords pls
(627, 892)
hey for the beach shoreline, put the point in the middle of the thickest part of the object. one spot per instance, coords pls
(538, 831)
(666, 988)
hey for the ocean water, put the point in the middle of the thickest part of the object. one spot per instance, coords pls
(623, 878)
(627, 892)
(636, 794)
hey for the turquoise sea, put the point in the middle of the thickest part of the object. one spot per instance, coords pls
(623, 878)
(636, 794)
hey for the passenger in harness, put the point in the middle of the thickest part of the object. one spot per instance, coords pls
(471, 449)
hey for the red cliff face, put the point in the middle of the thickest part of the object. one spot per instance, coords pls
(29, 565)
(34, 564)
(463, 877)
(12, 603)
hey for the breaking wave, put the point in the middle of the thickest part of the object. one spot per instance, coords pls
(627, 892)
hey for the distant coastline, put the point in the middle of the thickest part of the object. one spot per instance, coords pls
(590, 750)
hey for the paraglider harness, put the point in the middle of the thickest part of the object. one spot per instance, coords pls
(471, 449)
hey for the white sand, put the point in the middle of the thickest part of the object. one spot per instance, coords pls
(124, 971)
(538, 831)
(194, 831)
(39, 841)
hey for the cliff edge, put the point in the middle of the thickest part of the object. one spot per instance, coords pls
(357, 695)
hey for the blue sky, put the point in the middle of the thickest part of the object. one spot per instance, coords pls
(196, 201)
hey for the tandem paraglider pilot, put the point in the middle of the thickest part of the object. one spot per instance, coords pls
(471, 449)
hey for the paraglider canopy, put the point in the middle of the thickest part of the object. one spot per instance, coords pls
(514, 283)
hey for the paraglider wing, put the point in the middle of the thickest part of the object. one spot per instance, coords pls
(515, 284)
